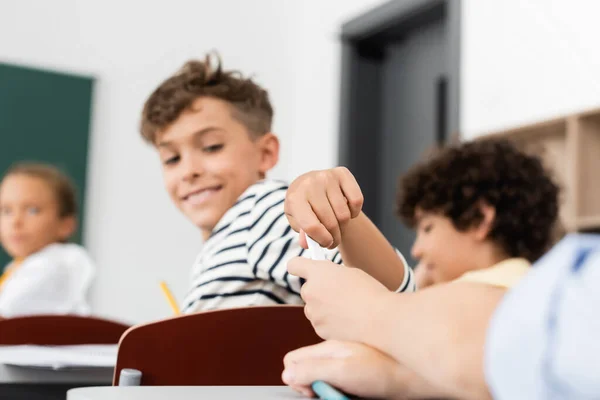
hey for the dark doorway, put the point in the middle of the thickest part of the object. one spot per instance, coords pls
(400, 97)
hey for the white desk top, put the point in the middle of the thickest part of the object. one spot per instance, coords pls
(91, 364)
(99, 376)
(60, 357)
(184, 393)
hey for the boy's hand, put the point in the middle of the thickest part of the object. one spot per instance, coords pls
(320, 203)
(341, 303)
(353, 368)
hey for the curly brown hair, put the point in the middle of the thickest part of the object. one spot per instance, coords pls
(250, 103)
(455, 181)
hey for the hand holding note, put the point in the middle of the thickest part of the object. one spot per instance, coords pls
(340, 301)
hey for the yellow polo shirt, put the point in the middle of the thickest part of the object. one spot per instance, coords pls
(505, 274)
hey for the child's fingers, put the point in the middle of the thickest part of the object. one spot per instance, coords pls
(305, 391)
(302, 267)
(306, 372)
(292, 221)
(351, 191)
(301, 235)
(303, 242)
(319, 203)
(339, 204)
(301, 214)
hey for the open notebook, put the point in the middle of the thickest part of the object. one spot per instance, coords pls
(60, 357)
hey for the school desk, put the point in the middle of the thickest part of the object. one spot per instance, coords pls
(32, 383)
(184, 393)
(37, 382)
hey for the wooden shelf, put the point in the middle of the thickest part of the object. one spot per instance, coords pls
(588, 159)
(570, 148)
(588, 113)
(552, 127)
(588, 223)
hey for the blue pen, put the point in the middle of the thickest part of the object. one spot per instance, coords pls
(327, 392)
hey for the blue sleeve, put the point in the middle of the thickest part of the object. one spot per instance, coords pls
(543, 339)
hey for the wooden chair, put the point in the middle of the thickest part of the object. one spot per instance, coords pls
(240, 346)
(54, 330)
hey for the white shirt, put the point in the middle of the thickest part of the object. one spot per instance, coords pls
(244, 262)
(544, 339)
(55, 280)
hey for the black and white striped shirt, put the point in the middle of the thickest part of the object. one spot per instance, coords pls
(244, 261)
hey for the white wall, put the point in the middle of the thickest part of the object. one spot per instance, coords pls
(524, 61)
(132, 231)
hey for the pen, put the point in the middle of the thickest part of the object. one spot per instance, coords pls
(170, 298)
(327, 392)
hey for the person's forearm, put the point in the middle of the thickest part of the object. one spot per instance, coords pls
(439, 334)
(409, 385)
(364, 246)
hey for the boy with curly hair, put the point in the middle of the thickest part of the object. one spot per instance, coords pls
(483, 211)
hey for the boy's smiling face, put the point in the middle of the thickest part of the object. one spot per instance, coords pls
(209, 158)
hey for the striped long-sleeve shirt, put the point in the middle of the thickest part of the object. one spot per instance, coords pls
(244, 261)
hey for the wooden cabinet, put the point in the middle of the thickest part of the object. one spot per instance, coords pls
(570, 148)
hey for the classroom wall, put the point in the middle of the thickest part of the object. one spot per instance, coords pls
(524, 61)
(521, 61)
